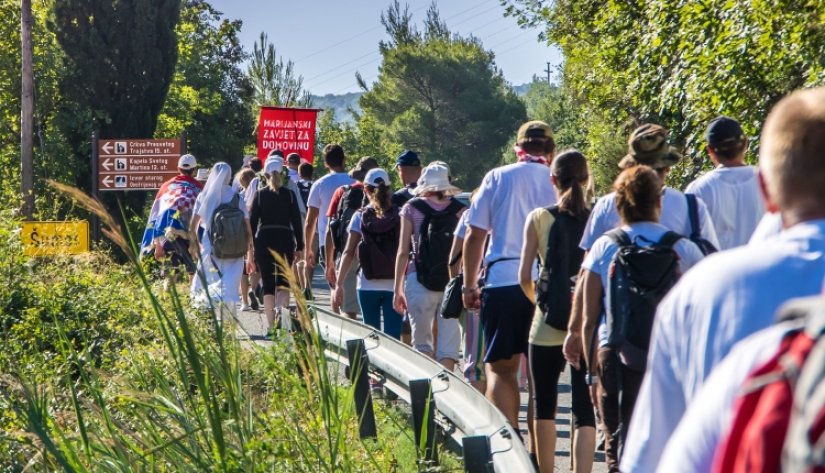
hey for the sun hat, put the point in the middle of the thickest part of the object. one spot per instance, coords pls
(649, 145)
(376, 177)
(724, 133)
(359, 172)
(534, 129)
(408, 158)
(435, 178)
(274, 165)
(187, 161)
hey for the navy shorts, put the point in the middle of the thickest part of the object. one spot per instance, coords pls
(506, 315)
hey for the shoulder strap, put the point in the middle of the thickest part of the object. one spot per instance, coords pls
(693, 216)
(235, 200)
(619, 237)
(669, 239)
(421, 206)
(455, 206)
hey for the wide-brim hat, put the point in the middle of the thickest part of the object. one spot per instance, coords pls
(648, 145)
(435, 178)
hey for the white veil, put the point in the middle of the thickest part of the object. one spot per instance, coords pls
(216, 188)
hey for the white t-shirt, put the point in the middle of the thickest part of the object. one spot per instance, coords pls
(605, 217)
(734, 202)
(293, 175)
(725, 298)
(505, 198)
(644, 234)
(769, 227)
(365, 284)
(708, 419)
(461, 227)
(321, 195)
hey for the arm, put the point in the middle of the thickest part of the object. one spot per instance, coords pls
(529, 250)
(473, 249)
(309, 233)
(573, 341)
(295, 222)
(592, 310)
(458, 247)
(401, 260)
(329, 255)
(346, 261)
(250, 252)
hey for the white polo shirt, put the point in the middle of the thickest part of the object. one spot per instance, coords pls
(723, 299)
(506, 196)
(734, 202)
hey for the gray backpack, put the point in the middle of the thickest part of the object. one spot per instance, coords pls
(228, 230)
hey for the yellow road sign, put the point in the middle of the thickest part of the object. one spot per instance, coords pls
(55, 238)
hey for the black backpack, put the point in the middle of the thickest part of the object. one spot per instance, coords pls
(639, 279)
(562, 262)
(379, 243)
(704, 245)
(352, 200)
(435, 239)
(303, 188)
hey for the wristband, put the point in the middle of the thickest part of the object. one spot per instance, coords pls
(465, 289)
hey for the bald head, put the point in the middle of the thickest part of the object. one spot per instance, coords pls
(792, 154)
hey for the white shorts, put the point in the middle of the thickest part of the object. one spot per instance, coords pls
(423, 306)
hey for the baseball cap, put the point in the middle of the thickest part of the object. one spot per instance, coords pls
(724, 132)
(274, 165)
(649, 145)
(376, 177)
(364, 164)
(293, 158)
(407, 158)
(187, 161)
(534, 129)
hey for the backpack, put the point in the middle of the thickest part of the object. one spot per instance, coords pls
(562, 262)
(435, 239)
(379, 243)
(303, 189)
(352, 199)
(779, 419)
(639, 278)
(227, 231)
(704, 245)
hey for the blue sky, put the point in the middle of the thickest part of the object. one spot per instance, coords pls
(329, 40)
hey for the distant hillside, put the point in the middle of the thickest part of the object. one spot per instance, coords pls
(341, 104)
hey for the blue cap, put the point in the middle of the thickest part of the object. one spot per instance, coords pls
(407, 158)
(724, 133)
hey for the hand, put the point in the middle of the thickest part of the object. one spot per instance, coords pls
(399, 302)
(471, 298)
(572, 349)
(310, 259)
(250, 266)
(298, 256)
(594, 391)
(330, 274)
(338, 296)
(159, 251)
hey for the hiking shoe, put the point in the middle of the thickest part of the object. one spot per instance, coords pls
(245, 308)
(253, 300)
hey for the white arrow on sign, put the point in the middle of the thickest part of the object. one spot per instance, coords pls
(107, 164)
(107, 147)
(107, 181)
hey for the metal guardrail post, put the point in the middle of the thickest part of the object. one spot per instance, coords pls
(477, 455)
(358, 364)
(423, 414)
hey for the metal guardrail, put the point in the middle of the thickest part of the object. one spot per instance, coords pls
(464, 410)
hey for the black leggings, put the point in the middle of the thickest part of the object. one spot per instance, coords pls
(271, 277)
(546, 366)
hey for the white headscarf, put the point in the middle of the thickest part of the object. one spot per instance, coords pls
(216, 188)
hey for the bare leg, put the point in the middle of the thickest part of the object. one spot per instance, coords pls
(545, 446)
(448, 363)
(584, 444)
(502, 387)
(269, 310)
(245, 290)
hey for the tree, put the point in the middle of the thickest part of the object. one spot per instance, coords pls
(442, 95)
(27, 112)
(119, 60)
(209, 96)
(273, 81)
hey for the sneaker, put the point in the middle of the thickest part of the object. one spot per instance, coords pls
(253, 301)
(245, 308)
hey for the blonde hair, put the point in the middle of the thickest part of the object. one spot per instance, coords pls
(792, 152)
(274, 181)
(244, 177)
(380, 197)
(638, 194)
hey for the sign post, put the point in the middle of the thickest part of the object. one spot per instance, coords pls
(55, 238)
(291, 130)
(127, 164)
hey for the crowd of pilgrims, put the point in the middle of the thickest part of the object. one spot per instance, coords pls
(664, 304)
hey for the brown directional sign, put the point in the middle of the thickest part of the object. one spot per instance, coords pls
(129, 165)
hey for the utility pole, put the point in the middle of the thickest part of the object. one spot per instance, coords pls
(27, 112)
(548, 71)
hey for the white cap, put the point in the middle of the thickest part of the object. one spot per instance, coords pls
(274, 165)
(187, 161)
(377, 176)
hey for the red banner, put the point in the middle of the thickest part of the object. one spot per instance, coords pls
(291, 130)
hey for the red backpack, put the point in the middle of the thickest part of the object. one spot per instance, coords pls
(779, 418)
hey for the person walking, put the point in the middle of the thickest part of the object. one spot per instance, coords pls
(427, 225)
(276, 224)
(227, 237)
(248, 299)
(731, 190)
(552, 235)
(408, 166)
(373, 236)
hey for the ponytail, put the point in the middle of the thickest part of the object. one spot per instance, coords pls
(274, 181)
(572, 199)
(380, 198)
